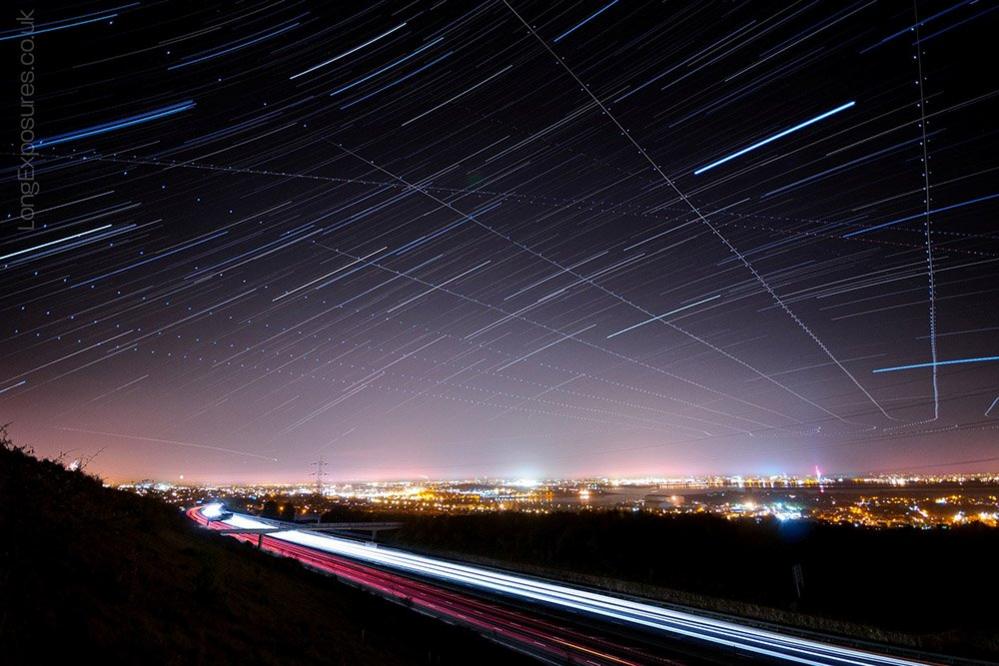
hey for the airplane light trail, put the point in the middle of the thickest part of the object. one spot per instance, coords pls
(770, 139)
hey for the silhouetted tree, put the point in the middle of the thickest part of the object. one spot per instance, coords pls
(288, 512)
(270, 509)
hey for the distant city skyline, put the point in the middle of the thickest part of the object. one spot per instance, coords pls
(937, 473)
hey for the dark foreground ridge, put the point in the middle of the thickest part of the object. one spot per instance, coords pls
(103, 576)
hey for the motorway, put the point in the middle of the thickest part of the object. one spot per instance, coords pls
(499, 606)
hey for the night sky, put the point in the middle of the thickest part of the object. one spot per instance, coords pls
(501, 238)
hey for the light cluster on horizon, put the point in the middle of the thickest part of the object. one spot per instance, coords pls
(873, 501)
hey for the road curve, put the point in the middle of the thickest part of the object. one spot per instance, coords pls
(558, 642)
(524, 632)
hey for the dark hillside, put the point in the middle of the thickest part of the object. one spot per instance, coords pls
(96, 575)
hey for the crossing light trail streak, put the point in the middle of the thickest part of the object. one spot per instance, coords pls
(544, 347)
(956, 361)
(916, 216)
(25, 381)
(54, 242)
(391, 65)
(584, 21)
(235, 47)
(727, 634)
(60, 25)
(159, 440)
(704, 220)
(461, 94)
(596, 285)
(396, 82)
(70, 355)
(348, 52)
(918, 24)
(590, 281)
(771, 139)
(361, 384)
(520, 315)
(328, 275)
(438, 286)
(667, 314)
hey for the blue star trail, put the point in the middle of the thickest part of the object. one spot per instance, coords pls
(113, 126)
(774, 137)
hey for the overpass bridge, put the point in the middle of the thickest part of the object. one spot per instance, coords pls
(271, 526)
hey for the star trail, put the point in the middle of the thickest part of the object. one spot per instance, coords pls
(508, 237)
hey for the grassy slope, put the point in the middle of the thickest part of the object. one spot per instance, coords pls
(92, 573)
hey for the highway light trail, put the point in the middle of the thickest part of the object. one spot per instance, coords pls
(725, 634)
(527, 632)
(771, 139)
